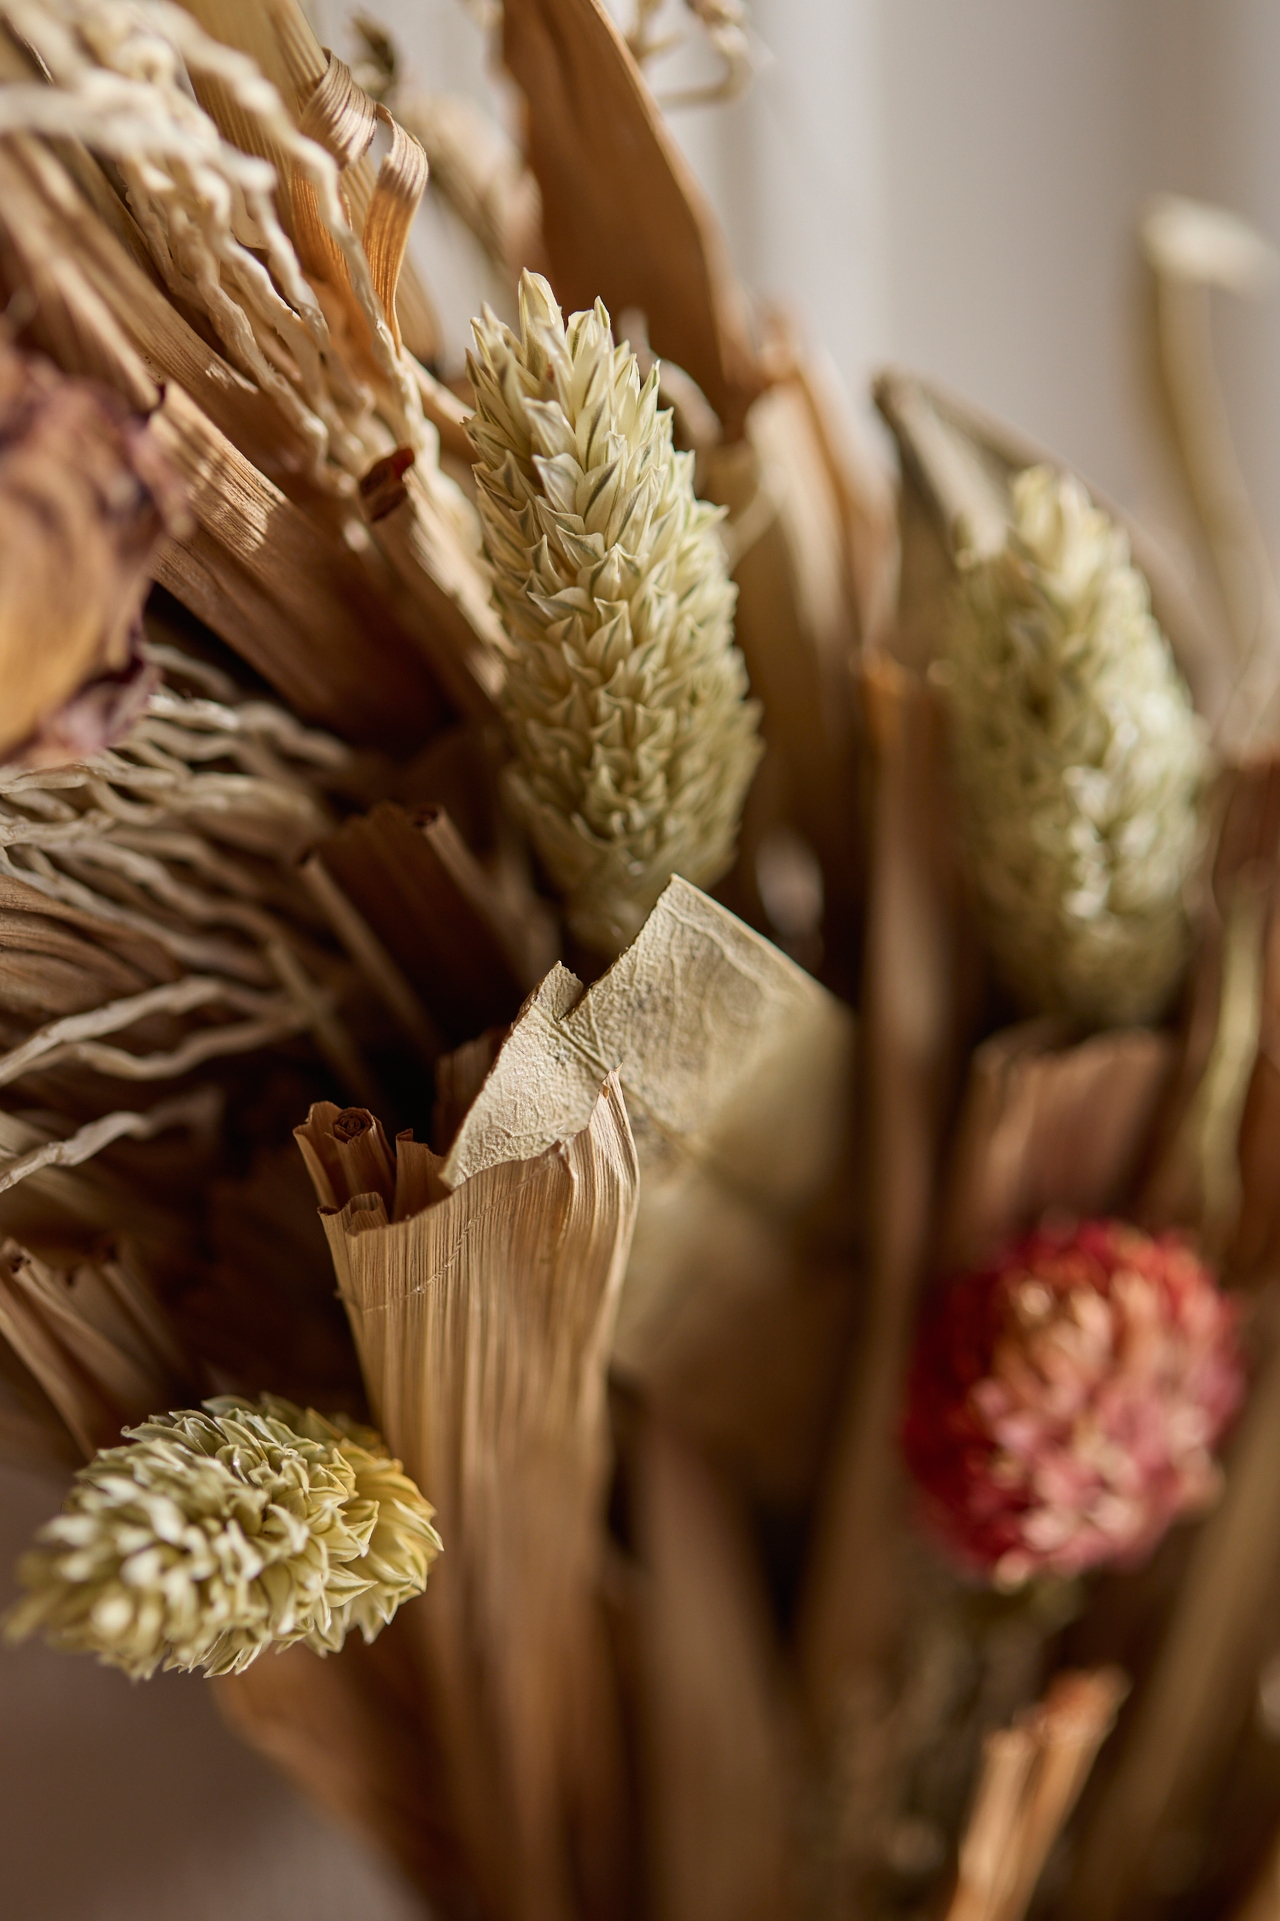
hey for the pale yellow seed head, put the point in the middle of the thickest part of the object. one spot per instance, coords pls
(218, 1532)
(626, 698)
(1080, 761)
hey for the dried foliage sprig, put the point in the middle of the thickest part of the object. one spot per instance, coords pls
(625, 696)
(215, 1534)
(1080, 762)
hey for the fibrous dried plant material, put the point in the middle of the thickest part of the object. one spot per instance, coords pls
(1049, 1127)
(737, 1071)
(623, 219)
(1079, 762)
(1197, 1698)
(95, 1338)
(270, 581)
(85, 497)
(483, 1319)
(1065, 1400)
(1031, 1778)
(917, 971)
(448, 929)
(625, 696)
(216, 1534)
(717, 1746)
(1193, 248)
(180, 844)
(336, 377)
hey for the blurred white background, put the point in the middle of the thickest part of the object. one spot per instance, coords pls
(951, 185)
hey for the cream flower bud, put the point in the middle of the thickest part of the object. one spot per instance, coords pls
(625, 697)
(216, 1533)
(1080, 762)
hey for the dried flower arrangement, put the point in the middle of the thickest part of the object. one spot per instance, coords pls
(832, 1331)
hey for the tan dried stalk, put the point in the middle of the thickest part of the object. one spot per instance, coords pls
(483, 1321)
(1031, 1778)
(716, 1745)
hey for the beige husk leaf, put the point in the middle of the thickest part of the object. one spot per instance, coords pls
(737, 1072)
(483, 1321)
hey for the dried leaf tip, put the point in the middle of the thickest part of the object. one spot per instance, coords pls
(216, 1533)
(625, 697)
(1080, 760)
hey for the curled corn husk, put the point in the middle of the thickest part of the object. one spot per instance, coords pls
(1079, 759)
(216, 1533)
(625, 698)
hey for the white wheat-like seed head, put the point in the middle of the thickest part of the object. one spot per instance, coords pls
(1080, 760)
(218, 1532)
(626, 698)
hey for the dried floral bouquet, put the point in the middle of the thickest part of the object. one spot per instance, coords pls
(795, 1432)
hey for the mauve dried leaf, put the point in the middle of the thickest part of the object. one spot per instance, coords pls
(86, 495)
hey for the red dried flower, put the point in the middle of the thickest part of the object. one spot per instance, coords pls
(1064, 1401)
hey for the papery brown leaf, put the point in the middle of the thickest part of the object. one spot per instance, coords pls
(737, 1072)
(1049, 1126)
(483, 1318)
(623, 219)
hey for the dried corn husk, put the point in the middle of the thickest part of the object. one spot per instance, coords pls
(736, 1068)
(483, 1320)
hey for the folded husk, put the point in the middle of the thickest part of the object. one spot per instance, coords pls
(483, 1320)
(737, 1072)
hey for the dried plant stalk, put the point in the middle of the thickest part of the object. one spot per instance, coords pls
(737, 1077)
(914, 1015)
(256, 569)
(718, 1784)
(1031, 1778)
(483, 1320)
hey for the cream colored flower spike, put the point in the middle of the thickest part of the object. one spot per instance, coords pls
(1080, 760)
(626, 698)
(215, 1534)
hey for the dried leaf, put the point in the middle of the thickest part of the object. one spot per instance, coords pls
(623, 218)
(736, 1068)
(483, 1321)
(1046, 1125)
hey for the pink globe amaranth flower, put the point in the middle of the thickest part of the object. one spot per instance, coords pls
(1064, 1400)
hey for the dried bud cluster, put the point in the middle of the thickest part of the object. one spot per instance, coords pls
(626, 698)
(216, 1534)
(1080, 761)
(1064, 1401)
